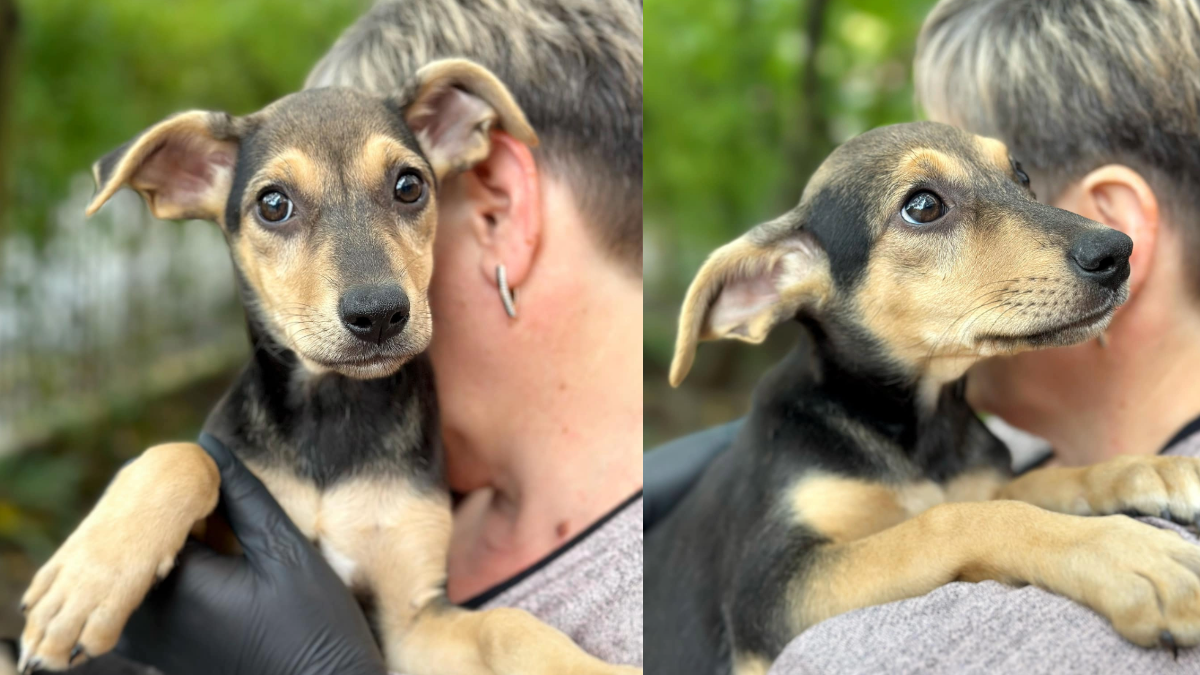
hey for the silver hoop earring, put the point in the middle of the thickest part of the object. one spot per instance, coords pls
(507, 295)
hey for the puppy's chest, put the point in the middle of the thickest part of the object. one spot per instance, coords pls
(368, 527)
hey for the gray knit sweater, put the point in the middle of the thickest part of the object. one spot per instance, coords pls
(591, 590)
(964, 629)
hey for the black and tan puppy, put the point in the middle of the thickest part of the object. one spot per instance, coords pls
(327, 199)
(861, 474)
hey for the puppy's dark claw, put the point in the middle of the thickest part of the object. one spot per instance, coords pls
(33, 665)
(75, 654)
(1165, 514)
(1167, 640)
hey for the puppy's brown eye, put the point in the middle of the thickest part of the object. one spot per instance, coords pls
(923, 208)
(409, 188)
(274, 207)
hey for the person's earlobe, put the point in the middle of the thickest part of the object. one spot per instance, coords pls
(505, 194)
(1120, 197)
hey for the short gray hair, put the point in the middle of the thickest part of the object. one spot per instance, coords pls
(1071, 85)
(574, 66)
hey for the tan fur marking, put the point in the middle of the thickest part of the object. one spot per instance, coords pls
(997, 151)
(745, 664)
(300, 499)
(295, 168)
(1103, 563)
(447, 640)
(924, 162)
(976, 486)
(379, 156)
(128, 541)
(845, 509)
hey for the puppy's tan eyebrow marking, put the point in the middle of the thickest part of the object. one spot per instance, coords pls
(997, 151)
(380, 154)
(292, 166)
(926, 162)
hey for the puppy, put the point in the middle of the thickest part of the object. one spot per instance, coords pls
(861, 476)
(327, 199)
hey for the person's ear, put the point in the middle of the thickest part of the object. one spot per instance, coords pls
(504, 198)
(452, 108)
(749, 286)
(1119, 197)
(182, 166)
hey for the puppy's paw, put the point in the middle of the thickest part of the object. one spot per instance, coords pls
(80, 600)
(1145, 580)
(1168, 487)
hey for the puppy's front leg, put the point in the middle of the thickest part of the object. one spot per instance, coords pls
(446, 640)
(1144, 580)
(80, 600)
(1154, 486)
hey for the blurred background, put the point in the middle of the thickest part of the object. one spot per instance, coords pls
(117, 332)
(743, 101)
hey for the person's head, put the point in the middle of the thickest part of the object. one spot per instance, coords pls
(564, 218)
(1100, 101)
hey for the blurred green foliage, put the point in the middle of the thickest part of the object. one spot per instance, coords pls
(743, 101)
(79, 78)
(90, 75)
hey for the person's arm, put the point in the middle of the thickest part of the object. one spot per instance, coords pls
(279, 609)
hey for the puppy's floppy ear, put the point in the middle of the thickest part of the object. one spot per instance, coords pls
(182, 166)
(455, 105)
(749, 286)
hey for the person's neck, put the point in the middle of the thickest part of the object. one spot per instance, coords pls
(564, 445)
(1126, 398)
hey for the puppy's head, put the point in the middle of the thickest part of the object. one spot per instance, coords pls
(919, 249)
(327, 200)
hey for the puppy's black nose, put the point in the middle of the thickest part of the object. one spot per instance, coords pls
(1102, 256)
(374, 313)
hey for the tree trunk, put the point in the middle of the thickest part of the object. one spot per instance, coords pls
(810, 145)
(8, 39)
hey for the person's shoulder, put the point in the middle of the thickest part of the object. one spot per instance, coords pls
(591, 588)
(671, 469)
(972, 627)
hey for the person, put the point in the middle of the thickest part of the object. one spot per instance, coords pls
(1097, 99)
(541, 410)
